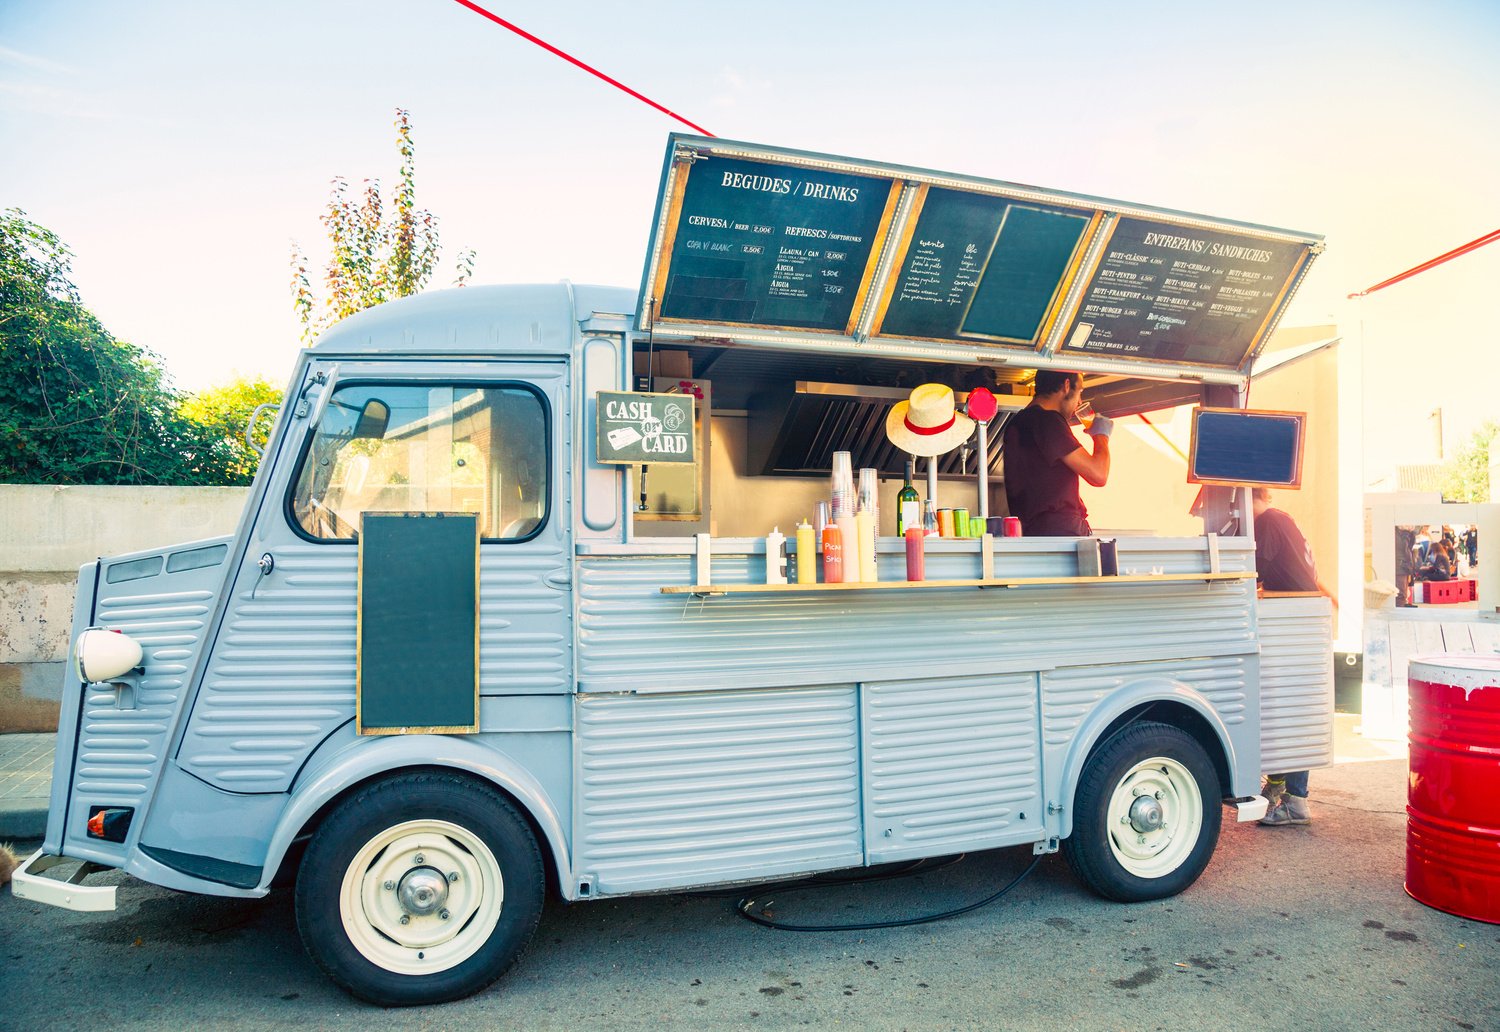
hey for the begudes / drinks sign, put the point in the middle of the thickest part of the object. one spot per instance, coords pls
(764, 246)
(644, 428)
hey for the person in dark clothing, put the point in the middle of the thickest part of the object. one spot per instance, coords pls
(1439, 565)
(1284, 562)
(1044, 460)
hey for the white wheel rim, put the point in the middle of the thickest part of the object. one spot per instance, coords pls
(1161, 789)
(371, 906)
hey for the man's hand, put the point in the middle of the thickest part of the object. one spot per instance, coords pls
(1102, 426)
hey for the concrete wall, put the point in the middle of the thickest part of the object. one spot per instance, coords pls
(46, 533)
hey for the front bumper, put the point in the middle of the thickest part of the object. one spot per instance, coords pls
(1251, 809)
(70, 894)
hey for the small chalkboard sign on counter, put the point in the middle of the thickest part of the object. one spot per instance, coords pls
(1171, 294)
(771, 245)
(1246, 446)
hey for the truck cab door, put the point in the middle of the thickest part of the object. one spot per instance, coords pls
(485, 437)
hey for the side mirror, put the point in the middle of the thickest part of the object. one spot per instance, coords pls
(373, 419)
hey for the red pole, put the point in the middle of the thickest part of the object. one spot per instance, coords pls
(574, 61)
(1472, 245)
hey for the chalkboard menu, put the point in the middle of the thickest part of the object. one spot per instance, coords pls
(864, 257)
(1234, 446)
(771, 245)
(1174, 294)
(981, 266)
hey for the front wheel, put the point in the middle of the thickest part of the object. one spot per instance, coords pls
(419, 889)
(1146, 816)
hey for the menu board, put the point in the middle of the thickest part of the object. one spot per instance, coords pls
(981, 266)
(864, 256)
(1175, 294)
(771, 245)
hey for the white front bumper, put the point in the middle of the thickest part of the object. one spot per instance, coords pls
(1252, 809)
(28, 883)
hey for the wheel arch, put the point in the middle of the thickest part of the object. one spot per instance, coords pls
(388, 757)
(1161, 700)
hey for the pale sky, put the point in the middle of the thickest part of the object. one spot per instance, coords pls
(179, 148)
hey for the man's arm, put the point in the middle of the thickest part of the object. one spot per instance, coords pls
(1092, 468)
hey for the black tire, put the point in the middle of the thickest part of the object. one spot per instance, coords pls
(1115, 858)
(481, 816)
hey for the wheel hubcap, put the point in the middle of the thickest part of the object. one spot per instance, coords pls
(1145, 814)
(423, 891)
(421, 897)
(1155, 817)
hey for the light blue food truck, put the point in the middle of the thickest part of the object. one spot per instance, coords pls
(465, 649)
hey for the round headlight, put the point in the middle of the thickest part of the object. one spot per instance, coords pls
(100, 655)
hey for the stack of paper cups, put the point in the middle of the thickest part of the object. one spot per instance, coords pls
(843, 486)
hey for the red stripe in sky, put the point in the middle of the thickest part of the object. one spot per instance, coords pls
(573, 60)
(1472, 245)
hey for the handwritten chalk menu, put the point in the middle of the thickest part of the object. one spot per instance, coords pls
(771, 245)
(980, 266)
(1175, 294)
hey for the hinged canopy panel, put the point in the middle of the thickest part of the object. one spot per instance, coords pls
(790, 250)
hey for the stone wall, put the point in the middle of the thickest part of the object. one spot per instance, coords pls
(46, 533)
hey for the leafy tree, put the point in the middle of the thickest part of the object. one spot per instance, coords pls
(379, 250)
(221, 415)
(1466, 477)
(78, 406)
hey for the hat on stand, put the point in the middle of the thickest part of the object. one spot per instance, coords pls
(929, 423)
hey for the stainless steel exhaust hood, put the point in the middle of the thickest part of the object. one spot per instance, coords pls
(794, 431)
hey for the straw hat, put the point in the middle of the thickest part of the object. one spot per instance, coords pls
(928, 424)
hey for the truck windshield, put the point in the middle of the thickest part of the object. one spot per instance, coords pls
(421, 448)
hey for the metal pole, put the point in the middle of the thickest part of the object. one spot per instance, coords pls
(984, 474)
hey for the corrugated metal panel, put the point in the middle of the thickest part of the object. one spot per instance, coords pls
(1069, 695)
(633, 638)
(1296, 684)
(678, 790)
(119, 748)
(951, 764)
(281, 677)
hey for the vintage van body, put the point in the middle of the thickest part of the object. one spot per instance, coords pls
(630, 740)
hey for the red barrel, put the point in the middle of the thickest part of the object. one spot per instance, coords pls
(1453, 792)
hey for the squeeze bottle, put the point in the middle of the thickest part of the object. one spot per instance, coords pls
(807, 554)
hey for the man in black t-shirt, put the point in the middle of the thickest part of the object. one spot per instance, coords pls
(1284, 562)
(1044, 461)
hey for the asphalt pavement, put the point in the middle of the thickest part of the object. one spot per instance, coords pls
(1289, 928)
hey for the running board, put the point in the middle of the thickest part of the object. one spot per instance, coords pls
(27, 883)
(1252, 808)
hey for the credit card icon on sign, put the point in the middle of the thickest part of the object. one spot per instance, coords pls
(622, 436)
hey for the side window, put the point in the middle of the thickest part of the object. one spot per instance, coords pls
(420, 448)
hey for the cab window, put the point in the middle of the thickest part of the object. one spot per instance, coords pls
(421, 448)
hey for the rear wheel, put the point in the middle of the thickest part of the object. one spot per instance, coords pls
(1146, 816)
(419, 889)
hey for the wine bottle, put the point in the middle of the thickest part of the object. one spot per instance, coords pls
(908, 503)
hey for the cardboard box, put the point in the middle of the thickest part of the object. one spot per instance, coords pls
(677, 365)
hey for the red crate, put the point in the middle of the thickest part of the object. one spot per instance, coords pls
(1439, 593)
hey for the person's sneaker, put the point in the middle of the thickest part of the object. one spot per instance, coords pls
(1289, 810)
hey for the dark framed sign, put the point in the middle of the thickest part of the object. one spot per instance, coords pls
(1165, 293)
(771, 245)
(980, 267)
(417, 637)
(1234, 447)
(636, 427)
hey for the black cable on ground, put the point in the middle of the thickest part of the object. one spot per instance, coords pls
(745, 903)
